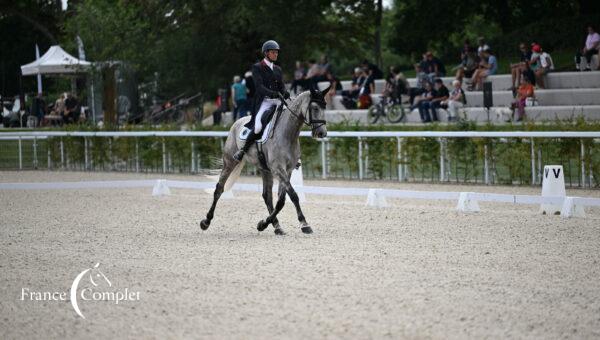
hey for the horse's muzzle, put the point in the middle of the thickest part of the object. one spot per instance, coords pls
(321, 132)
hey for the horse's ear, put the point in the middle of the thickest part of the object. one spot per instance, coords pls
(324, 92)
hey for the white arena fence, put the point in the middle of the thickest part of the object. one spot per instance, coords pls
(466, 201)
(515, 157)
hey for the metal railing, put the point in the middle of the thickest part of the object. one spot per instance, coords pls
(397, 169)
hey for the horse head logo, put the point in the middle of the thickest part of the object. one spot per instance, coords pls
(95, 276)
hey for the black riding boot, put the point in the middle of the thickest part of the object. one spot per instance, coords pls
(252, 137)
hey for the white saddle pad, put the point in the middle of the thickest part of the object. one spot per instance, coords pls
(265, 135)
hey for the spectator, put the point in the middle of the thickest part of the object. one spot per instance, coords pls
(427, 68)
(239, 97)
(468, 62)
(336, 86)
(249, 83)
(529, 74)
(313, 73)
(59, 105)
(389, 88)
(481, 46)
(438, 65)
(368, 87)
(525, 91)
(487, 67)
(299, 77)
(545, 65)
(423, 102)
(440, 95)
(38, 108)
(592, 45)
(349, 97)
(456, 100)
(324, 67)
(375, 72)
(71, 112)
(517, 69)
(221, 104)
(414, 92)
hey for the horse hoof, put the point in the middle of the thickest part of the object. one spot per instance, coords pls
(262, 225)
(307, 230)
(279, 231)
(204, 224)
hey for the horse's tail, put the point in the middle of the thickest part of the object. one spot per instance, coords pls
(235, 174)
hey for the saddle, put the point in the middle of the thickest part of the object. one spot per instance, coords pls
(268, 124)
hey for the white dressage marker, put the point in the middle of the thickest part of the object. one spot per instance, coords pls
(467, 203)
(553, 184)
(160, 188)
(375, 198)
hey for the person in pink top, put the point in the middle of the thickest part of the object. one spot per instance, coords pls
(592, 45)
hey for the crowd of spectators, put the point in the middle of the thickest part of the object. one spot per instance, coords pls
(36, 112)
(477, 64)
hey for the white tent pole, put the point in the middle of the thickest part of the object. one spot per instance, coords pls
(39, 76)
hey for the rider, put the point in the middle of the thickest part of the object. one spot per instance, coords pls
(270, 91)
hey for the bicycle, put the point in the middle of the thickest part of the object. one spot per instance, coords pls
(392, 109)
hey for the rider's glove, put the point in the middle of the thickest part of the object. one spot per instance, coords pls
(286, 95)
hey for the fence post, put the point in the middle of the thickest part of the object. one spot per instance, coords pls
(532, 147)
(20, 154)
(49, 162)
(62, 154)
(137, 155)
(110, 153)
(35, 158)
(193, 157)
(399, 158)
(442, 160)
(164, 156)
(486, 165)
(360, 164)
(85, 152)
(539, 166)
(582, 181)
(323, 160)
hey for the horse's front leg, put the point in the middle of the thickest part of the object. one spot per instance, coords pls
(267, 195)
(294, 197)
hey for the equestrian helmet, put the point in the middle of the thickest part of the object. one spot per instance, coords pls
(270, 45)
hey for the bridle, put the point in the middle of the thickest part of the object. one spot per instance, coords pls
(314, 124)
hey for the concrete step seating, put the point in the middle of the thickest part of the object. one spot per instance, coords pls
(478, 114)
(502, 82)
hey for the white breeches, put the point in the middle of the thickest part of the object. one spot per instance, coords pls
(266, 104)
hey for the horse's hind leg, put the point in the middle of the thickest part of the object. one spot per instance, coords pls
(280, 203)
(227, 169)
(267, 195)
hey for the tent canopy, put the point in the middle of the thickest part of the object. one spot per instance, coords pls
(56, 61)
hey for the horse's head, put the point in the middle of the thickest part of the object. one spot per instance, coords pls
(316, 113)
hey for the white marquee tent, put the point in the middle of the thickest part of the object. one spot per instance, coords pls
(56, 61)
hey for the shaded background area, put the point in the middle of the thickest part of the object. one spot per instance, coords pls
(199, 45)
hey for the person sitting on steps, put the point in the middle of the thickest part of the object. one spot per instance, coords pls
(270, 91)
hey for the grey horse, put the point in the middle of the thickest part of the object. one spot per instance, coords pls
(282, 152)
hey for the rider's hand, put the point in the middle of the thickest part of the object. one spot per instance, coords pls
(286, 95)
(281, 96)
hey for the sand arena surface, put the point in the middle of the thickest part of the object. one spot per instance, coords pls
(415, 270)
